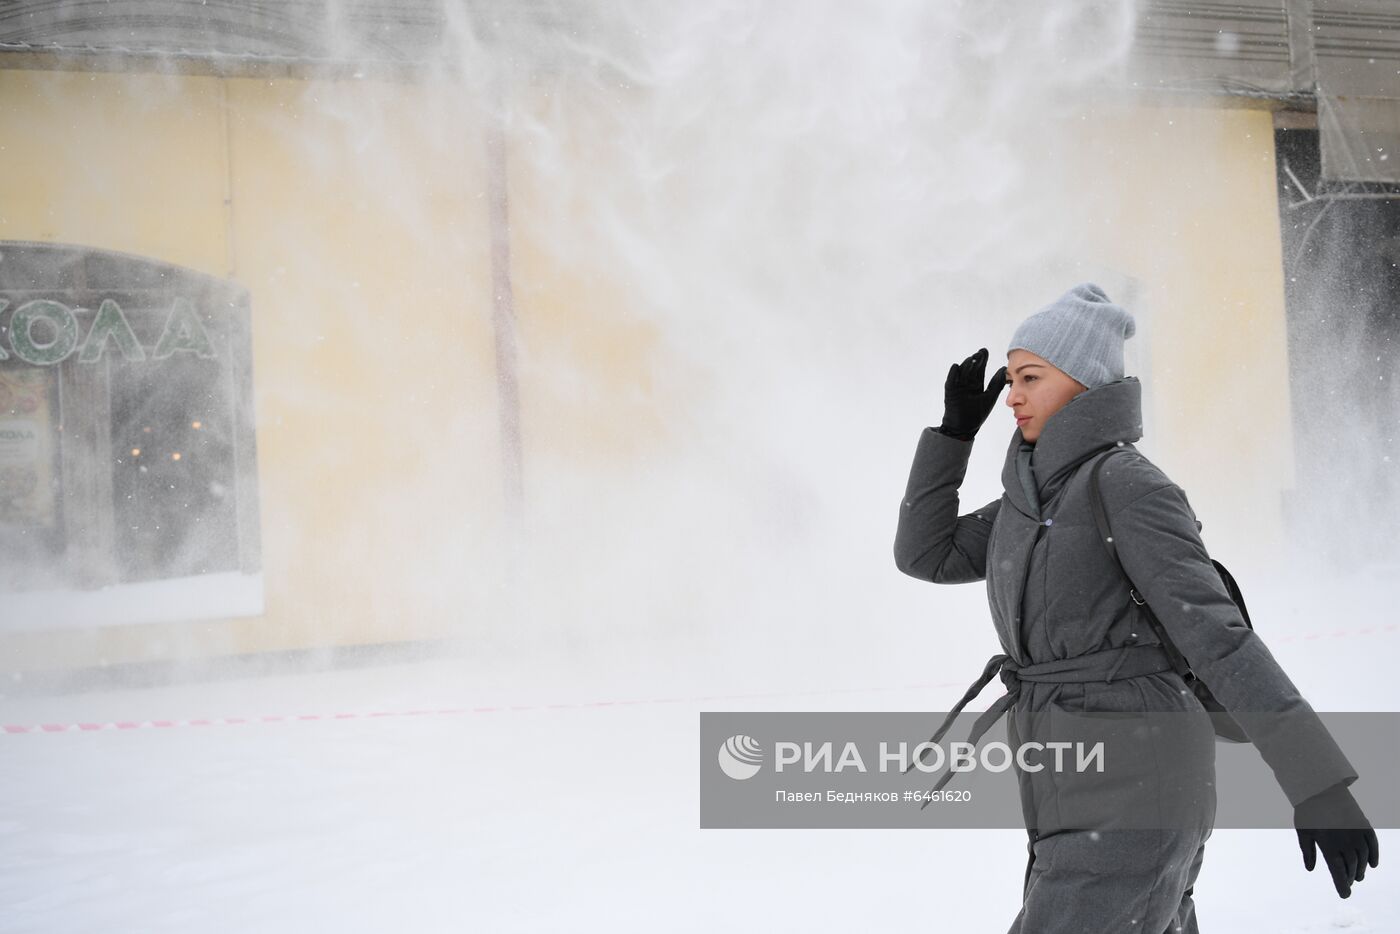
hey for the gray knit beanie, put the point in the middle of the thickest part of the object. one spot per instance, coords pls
(1081, 333)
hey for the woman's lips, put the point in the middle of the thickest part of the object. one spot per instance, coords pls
(1022, 419)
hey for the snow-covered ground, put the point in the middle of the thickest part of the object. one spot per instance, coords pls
(557, 811)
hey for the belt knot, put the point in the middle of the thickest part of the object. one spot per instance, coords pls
(1009, 678)
(1129, 661)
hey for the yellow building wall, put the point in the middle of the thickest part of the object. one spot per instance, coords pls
(356, 213)
(358, 224)
(132, 162)
(1185, 200)
(360, 227)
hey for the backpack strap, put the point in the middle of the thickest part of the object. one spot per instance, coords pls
(1178, 661)
(1234, 591)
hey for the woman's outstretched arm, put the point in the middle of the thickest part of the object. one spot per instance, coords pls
(1161, 549)
(933, 542)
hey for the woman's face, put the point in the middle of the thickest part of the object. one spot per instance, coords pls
(1038, 391)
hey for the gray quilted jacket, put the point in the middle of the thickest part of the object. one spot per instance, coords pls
(1055, 593)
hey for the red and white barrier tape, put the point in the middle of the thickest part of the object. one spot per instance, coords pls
(12, 728)
(1337, 634)
(433, 712)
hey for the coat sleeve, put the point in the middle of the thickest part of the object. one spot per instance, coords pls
(1162, 552)
(933, 542)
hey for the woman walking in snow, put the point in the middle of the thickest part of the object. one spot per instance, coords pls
(1075, 639)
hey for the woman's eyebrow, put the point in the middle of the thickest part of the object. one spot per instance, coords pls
(1024, 365)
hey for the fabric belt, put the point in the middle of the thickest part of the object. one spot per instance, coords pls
(1128, 661)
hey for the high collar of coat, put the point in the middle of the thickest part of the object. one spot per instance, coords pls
(1092, 421)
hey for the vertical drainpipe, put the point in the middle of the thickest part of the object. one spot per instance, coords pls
(503, 304)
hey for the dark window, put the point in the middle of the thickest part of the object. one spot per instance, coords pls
(126, 441)
(1341, 256)
(172, 480)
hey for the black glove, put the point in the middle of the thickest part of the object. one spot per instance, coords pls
(1333, 823)
(966, 404)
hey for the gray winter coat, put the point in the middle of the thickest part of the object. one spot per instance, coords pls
(1057, 597)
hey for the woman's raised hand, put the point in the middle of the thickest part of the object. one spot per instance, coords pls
(966, 404)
